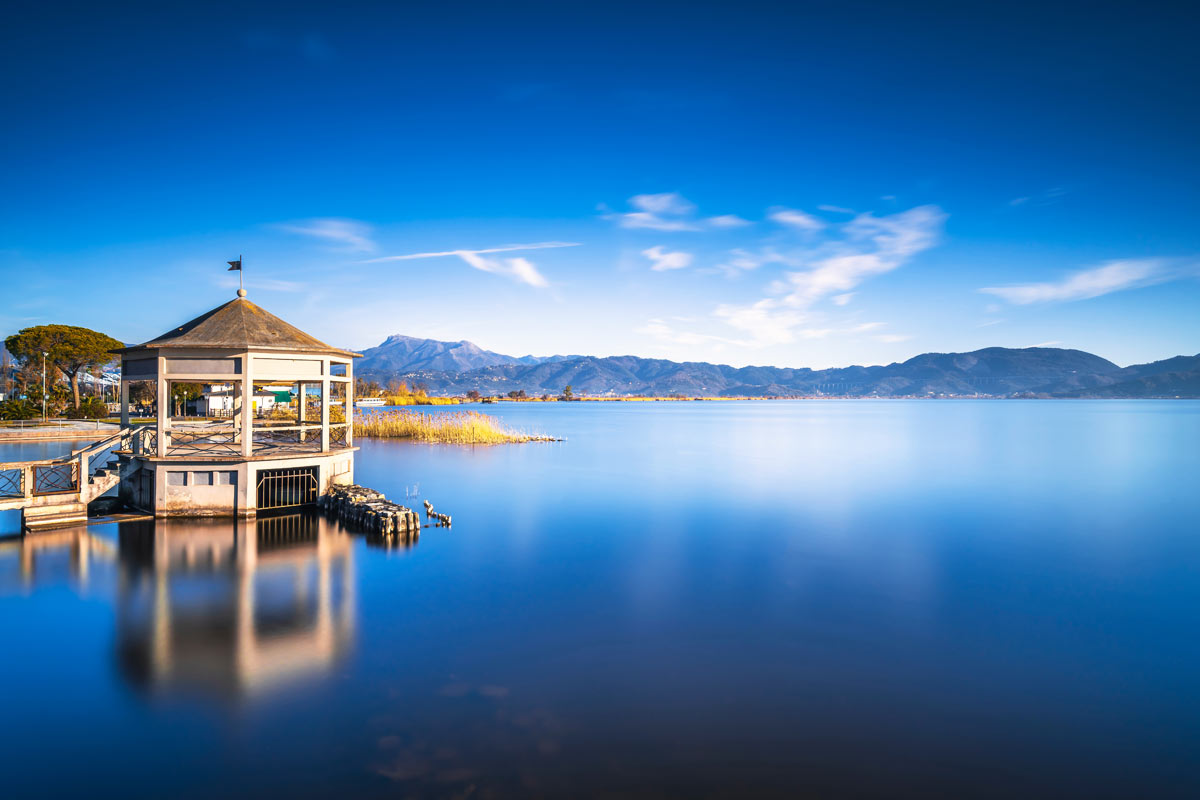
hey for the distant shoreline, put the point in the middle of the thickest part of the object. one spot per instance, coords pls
(637, 399)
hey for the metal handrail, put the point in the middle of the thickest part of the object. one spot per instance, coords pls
(65, 475)
(103, 443)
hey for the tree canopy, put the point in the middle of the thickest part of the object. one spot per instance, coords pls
(70, 348)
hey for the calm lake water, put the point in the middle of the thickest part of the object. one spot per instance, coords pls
(701, 599)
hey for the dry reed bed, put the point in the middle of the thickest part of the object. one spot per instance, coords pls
(460, 427)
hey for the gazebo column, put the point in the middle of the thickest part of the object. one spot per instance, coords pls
(301, 417)
(164, 399)
(247, 407)
(124, 402)
(349, 403)
(325, 400)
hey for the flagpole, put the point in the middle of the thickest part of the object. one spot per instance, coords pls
(241, 278)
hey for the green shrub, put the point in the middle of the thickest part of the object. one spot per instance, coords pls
(19, 409)
(89, 408)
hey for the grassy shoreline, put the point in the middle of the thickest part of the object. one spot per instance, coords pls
(460, 427)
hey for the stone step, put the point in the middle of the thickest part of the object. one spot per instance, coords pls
(39, 518)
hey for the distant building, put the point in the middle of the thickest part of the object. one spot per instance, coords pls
(218, 401)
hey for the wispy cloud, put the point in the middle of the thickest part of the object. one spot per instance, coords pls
(794, 218)
(1048, 197)
(344, 234)
(504, 248)
(1042, 344)
(872, 246)
(668, 211)
(740, 261)
(859, 249)
(518, 269)
(1113, 276)
(728, 221)
(664, 259)
(664, 332)
(671, 211)
(765, 321)
(826, 262)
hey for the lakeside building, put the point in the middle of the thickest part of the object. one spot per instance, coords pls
(232, 461)
(218, 400)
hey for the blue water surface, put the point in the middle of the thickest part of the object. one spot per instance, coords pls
(810, 598)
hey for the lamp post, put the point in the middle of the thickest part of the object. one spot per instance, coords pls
(44, 354)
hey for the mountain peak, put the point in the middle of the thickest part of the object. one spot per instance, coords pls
(399, 354)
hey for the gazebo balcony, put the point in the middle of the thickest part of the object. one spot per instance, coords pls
(222, 439)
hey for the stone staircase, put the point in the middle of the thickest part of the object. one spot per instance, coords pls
(54, 493)
(73, 511)
(104, 478)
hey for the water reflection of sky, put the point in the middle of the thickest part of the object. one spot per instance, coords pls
(703, 598)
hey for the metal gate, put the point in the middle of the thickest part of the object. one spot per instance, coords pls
(287, 488)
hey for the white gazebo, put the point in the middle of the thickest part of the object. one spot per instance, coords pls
(247, 457)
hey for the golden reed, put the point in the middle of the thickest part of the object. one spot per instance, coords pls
(459, 427)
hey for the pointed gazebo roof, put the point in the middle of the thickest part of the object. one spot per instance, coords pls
(239, 325)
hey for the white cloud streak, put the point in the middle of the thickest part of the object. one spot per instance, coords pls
(671, 212)
(740, 261)
(518, 269)
(874, 245)
(668, 211)
(1113, 276)
(868, 246)
(796, 219)
(664, 259)
(728, 221)
(344, 234)
(504, 248)
(661, 330)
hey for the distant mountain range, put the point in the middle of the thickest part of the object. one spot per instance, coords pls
(459, 367)
(402, 354)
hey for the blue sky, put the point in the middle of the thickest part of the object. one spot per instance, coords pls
(823, 184)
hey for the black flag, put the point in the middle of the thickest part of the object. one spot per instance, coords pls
(234, 265)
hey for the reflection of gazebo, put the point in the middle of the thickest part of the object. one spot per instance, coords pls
(236, 607)
(76, 548)
(239, 461)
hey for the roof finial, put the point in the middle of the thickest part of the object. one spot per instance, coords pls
(241, 292)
